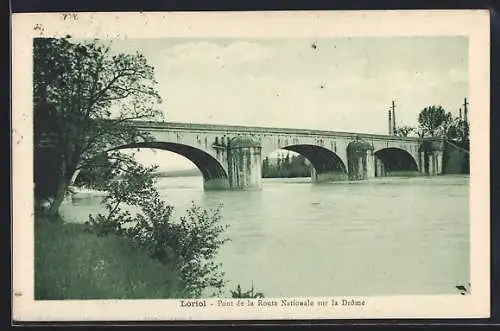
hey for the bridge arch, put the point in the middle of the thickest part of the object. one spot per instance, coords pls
(326, 164)
(393, 161)
(215, 175)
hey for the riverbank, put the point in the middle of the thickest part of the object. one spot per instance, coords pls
(71, 263)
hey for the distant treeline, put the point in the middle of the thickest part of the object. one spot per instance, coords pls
(179, 173)
(286, 167)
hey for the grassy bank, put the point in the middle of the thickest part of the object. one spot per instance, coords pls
(73, 264)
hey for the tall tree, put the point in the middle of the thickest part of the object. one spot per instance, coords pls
(85, 98)
(434, 120)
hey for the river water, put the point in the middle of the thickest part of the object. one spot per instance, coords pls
(384, 236)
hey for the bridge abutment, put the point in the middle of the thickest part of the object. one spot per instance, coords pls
(431, 157)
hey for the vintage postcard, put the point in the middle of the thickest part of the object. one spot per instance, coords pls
(250, 165)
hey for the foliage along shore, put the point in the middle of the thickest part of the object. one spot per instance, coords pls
(72, 263)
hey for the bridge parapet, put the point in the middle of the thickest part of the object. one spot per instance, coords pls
(254, 130)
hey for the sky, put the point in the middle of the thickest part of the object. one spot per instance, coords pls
(339, 84)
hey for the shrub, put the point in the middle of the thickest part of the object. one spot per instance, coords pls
(191, 242)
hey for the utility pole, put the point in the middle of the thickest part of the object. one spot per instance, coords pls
(460, 114)
(393, 108)
(390, 123)
(465, 111)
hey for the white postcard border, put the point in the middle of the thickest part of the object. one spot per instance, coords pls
(471, 23)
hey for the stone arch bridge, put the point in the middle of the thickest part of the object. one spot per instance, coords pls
(230, 157)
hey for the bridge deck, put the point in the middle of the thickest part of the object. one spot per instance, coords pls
(266, 130)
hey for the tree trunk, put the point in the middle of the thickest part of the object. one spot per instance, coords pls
(74, 177)
(59, 198)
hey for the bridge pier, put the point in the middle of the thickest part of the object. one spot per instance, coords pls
(244, 164)
(422, 159)
(216, 184)
(360, 160)
(330, 176)
(370, 164)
